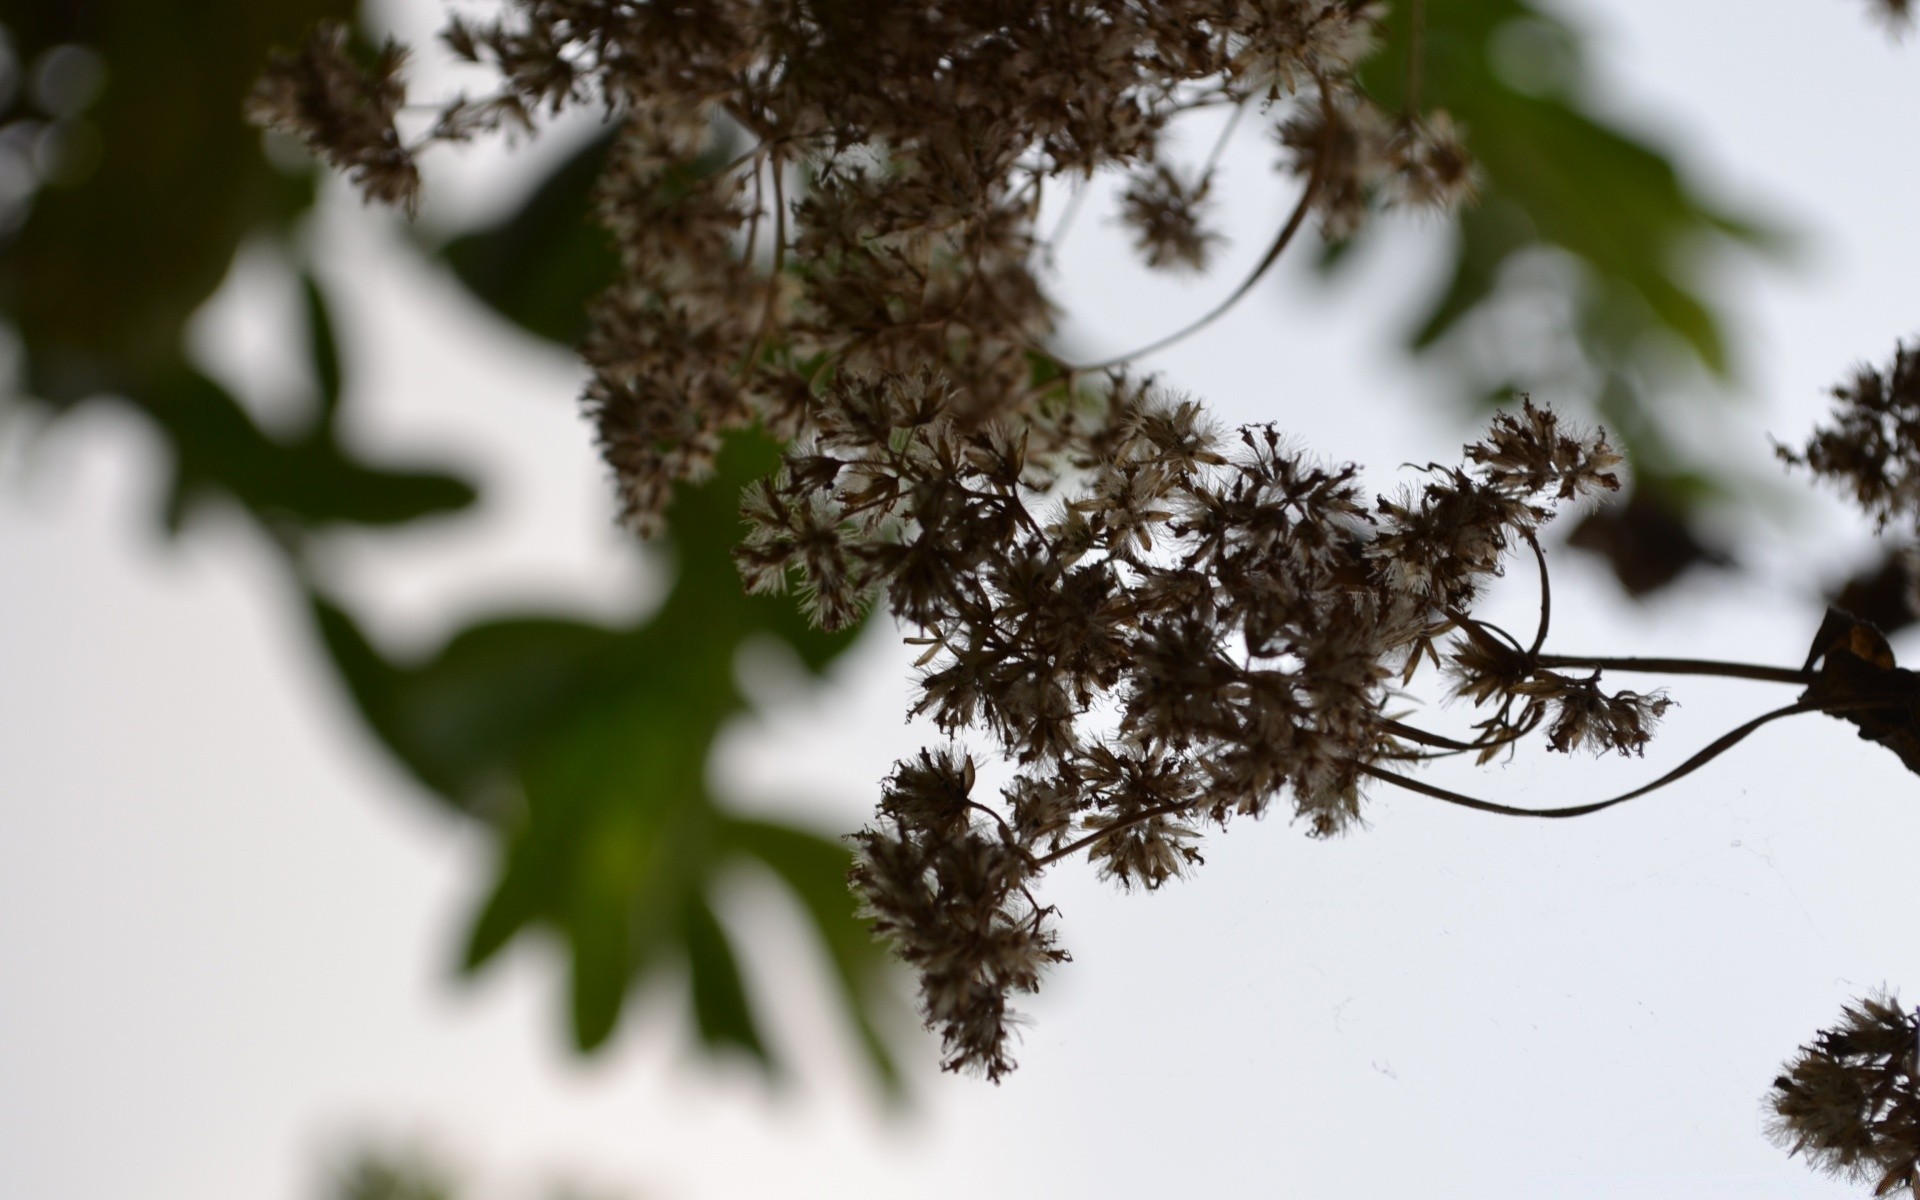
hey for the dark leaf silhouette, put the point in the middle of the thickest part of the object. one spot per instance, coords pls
(1859, 683)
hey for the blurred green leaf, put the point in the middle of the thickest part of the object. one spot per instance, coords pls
(103, 276)
(376, 1176)
(324, 348)
(218, 449)
(1556, 174)
(1558, 177)
(815, 870)
(541, 265)
(584, 747)
(101, 280)
(720, 1003)
(587, 748)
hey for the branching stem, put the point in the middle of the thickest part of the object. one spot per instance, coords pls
(1713, 750)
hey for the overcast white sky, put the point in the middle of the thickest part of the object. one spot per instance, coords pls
(226, 922)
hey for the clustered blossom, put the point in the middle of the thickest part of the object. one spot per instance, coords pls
(345, 110)
(1850, 1099)
(1165, 215)
(825, 220)
(897, 157)
(1184, 629)
(950, 891)
(1873, 448)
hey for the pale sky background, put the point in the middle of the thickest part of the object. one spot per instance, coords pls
(227, 922)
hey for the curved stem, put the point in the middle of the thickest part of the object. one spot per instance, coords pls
(751, 365)
(1220, 144)
(1546, 597)
(1718, 746)
(1294, 221)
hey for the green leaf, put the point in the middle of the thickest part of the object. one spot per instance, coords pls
(324, 347)
(1556, 173)
(310, 482)
(720, 1006)
(585, 749)
(1559, 177)
(815, 870)
(106, 272)
(541, 265)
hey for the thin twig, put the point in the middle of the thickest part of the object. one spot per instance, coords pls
(752, 364)
(1681, 666)
(1546, 598)
(1220, 144)
(1294, 221)
(1413, 733)
(1079, 844)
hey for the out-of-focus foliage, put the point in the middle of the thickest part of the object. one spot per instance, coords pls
(537, 266)
(378, 1173)
(585, 748)
(1585, 221)
(128, 181)
(132, 233)
(374, 1176)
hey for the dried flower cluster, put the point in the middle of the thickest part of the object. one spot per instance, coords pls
(1873, 448)
(1850, 1099)
(1161, 627)
(1897, 13)
(1157, 624)
(344, 110)
(1188, 630)
(925, 135)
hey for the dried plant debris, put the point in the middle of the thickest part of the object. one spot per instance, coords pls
(1872, 450)
(1157, 624)
(927, 136)
(1850, 1099)
(344, 110)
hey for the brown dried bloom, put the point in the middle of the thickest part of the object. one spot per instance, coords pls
(1898, 14)
(1586, 716)
(1432, 168)
(1873, 448)
(343, 111)
(825, 220)
(1247, 614)
(925, 135)
(952, 898)
(1850, 1099)
(1165, 215)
